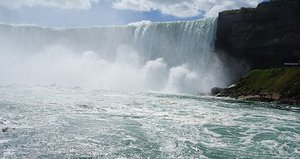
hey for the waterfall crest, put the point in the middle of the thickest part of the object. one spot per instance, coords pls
(172, 56)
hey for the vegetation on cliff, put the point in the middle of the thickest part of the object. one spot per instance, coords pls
(240, 11)
(285, 81)
(276, 84)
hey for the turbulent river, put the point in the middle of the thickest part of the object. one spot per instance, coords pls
(119, 92)
(65, 122)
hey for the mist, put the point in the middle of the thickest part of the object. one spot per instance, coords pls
(175, 57)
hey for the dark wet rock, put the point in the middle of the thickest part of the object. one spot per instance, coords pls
(268, 35)
(216, 90)
(5, 129)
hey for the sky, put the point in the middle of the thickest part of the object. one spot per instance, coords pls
(84, 13)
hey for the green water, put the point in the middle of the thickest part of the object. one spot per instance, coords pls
(61, 122)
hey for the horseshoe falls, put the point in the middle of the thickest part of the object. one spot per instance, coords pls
(172, 57)
(130, 92)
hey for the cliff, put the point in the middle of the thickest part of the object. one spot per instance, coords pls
(266, 36)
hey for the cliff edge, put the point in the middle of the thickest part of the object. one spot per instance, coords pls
(266, 36)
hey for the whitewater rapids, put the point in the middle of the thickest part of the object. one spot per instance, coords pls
(65, 122)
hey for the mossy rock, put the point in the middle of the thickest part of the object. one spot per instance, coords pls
(284, 81)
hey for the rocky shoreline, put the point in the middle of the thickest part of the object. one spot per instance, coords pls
(277, 98)
(280, 85)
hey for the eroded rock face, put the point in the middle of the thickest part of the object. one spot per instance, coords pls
(268, 35)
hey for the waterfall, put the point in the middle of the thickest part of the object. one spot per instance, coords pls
(170, 56)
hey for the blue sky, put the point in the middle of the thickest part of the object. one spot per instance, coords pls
(83, 13)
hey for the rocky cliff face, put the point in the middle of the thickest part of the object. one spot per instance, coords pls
(268, 35)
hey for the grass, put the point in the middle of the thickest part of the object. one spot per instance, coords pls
(284, 81)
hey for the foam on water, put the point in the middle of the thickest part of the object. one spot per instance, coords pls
(56, 122)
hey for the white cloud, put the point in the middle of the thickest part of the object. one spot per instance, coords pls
(140, 23)
(62, 4)
(177, 8)
(184, 8)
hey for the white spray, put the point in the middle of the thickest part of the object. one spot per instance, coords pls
(174, 57)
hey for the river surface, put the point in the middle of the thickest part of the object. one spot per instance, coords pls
(39, 121)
